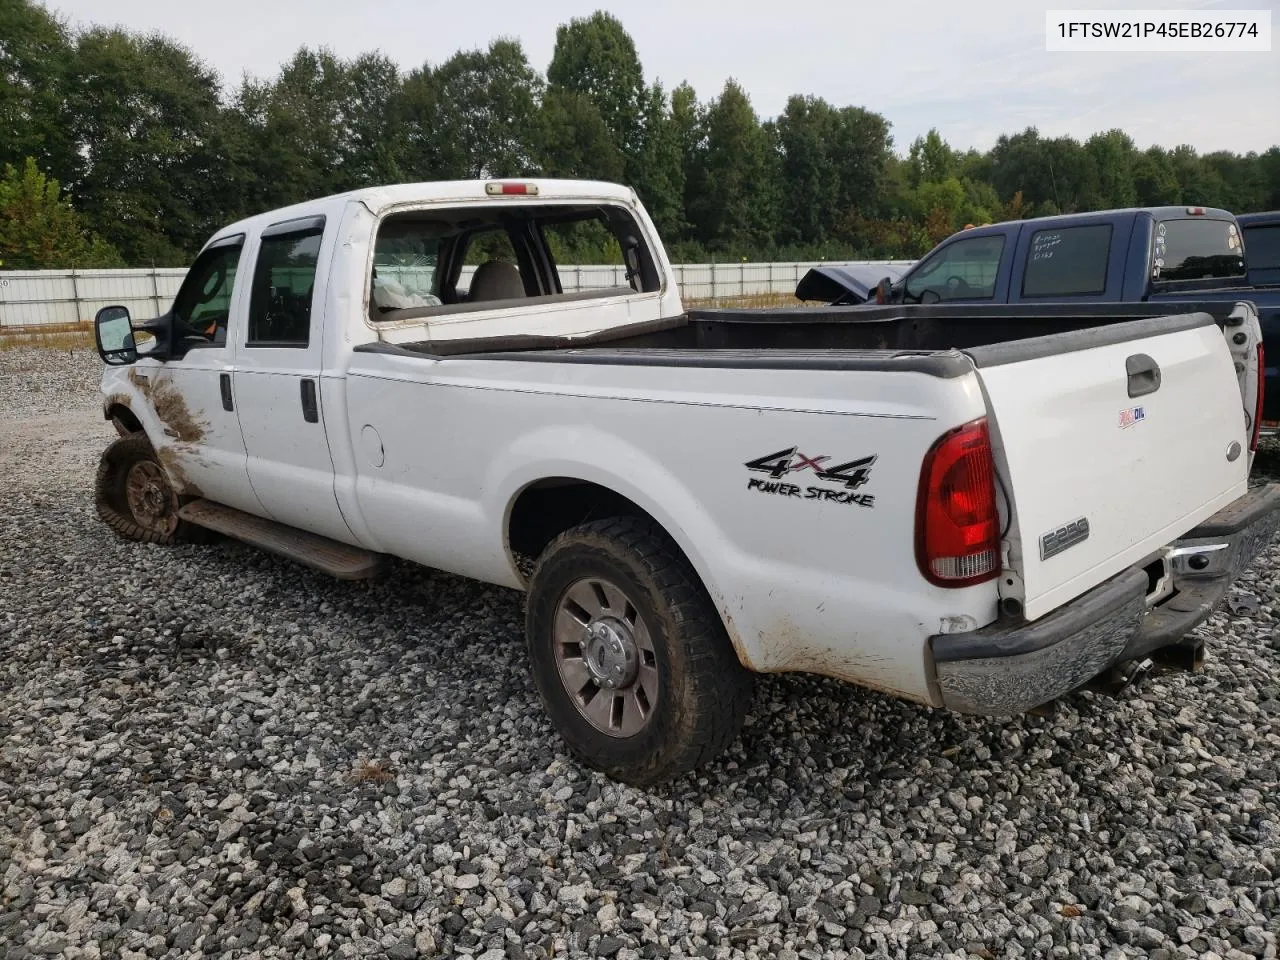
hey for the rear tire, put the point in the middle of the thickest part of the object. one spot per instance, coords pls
(629, 655)
(134, 497)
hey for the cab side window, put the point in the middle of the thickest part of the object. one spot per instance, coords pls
(964, 270)
(1262, 251)
(1068, 262)
(203, 305)
(283, 285)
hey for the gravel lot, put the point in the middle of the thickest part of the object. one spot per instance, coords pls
(211, 752)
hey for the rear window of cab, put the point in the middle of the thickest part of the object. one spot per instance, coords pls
(1197, 248)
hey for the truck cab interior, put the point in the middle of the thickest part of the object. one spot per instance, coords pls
(419, 258)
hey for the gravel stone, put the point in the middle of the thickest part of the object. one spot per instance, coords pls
(185, 730)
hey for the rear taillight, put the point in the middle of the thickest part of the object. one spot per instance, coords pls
(1262, 390)
(957, 518)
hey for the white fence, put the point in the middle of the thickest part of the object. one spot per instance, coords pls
(34, 297)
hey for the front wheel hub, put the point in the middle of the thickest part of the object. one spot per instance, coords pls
(151, 500)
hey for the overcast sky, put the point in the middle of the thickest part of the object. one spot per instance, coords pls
(974, 69)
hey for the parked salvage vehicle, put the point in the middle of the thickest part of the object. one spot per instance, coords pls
(1177, 257)
(1261, 234)
(972, 507)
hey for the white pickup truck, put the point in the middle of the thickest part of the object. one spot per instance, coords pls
(977, 508)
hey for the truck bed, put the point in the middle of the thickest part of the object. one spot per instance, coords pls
(916, 338)
(1119, 419)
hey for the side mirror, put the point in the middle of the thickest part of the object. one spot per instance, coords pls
(883, 290)
(113, 331)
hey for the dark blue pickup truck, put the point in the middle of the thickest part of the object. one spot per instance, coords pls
(1262, 247)
(1113, 256)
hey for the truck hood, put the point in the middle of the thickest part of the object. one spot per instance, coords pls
(855, 283)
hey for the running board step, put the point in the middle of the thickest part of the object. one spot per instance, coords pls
(320, 553)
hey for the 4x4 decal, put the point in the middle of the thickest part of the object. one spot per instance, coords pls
(850, 475)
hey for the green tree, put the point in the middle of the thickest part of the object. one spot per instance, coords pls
(833, 165)
(810, 180)
(296, 131)
(146, 118)
(939, 205)
(574, 139)
(486, 112)
(1269, 164)
(40, 230)
(689, 130)
(136, 128)
(1113, 154)
(1199, 184)
(596, 57)
(1018, 166)
(737, 208)
(374, 145)
(1074, 183)
(930, 159)
(1154, 180)
(660, 172)
(421, 154)
(981, 203)
(35, 51)
(861, 151)
(1243, 179)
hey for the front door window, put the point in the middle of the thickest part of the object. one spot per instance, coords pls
(963, 270)
(203, 305)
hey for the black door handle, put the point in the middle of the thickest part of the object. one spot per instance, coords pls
(224, 383)
(1144, 375)
(310, 412)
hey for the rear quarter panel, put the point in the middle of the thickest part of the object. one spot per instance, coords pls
(802, 580)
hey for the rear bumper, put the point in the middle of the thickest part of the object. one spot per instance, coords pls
(1010, 667)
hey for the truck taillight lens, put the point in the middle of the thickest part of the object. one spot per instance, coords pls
(1262, 392)
(957, 518)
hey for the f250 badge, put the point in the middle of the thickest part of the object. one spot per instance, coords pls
(850, 475)
(1064, 538)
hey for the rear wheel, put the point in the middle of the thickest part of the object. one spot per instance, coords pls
(134, 497)
(630, 657)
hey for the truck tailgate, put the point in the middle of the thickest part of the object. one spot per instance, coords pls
(1110, 443)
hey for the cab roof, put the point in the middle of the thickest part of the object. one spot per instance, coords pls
(1256, 219)
(1157, 213)
(382, 198)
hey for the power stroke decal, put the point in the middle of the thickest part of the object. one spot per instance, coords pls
(849, 475)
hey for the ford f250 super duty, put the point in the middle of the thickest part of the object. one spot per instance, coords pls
(973, 507)
(1155, 255)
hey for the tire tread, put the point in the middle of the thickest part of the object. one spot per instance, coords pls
(721, 686)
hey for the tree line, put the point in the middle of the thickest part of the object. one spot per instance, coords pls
(122, 148)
